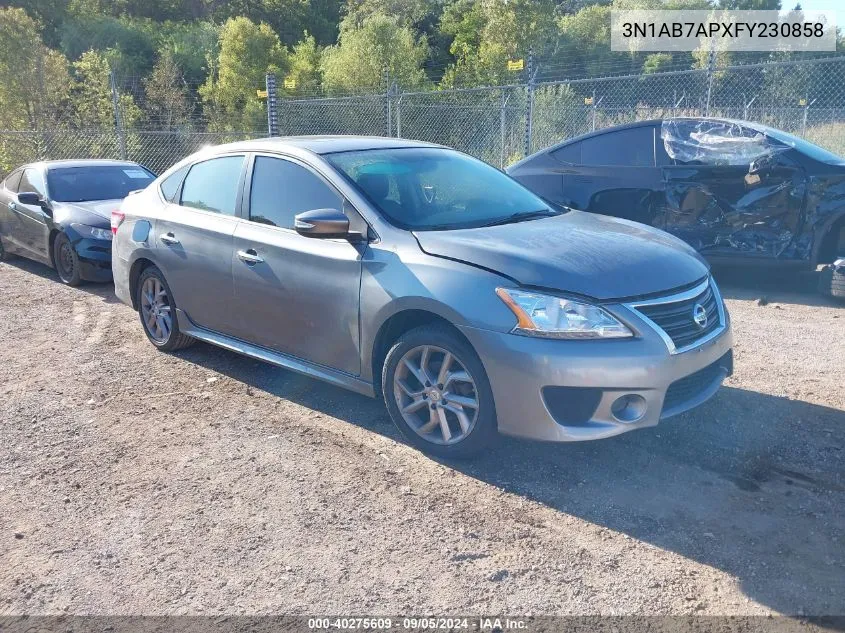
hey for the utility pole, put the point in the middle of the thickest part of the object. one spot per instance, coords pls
(711, 66)
(118, 118)
(387, 110)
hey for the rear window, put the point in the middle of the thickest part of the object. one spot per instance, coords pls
(100, 182)
(633, 147)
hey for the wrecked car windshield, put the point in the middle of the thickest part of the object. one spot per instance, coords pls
(430, 189)
(806, 147)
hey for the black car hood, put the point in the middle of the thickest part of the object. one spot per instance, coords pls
(93, 213)
(582, 253)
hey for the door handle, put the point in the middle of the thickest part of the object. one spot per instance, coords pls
(250, 256)
(168, 238)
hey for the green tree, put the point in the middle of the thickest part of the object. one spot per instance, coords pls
(247, 52)
(34, 80)
(167, 106)
(92, 94)
(305, 66)
(363, 53)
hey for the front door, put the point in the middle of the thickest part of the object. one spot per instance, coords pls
(193, 242)
(296, 295)
(32, 232)
(745, 200)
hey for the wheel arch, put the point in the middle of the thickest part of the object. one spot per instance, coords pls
(397, 324)
(138, 267)
(829, 238)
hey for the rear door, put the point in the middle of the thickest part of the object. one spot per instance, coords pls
(616, 174)
(295, 294)
(8, 218)
(193, 241)
(729, 190)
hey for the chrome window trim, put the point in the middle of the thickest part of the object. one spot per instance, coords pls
(686, 295)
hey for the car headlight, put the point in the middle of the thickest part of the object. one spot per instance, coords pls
(554, 317)
(92, 231)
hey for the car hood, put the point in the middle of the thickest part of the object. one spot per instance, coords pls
(582, 253)
(93, 213)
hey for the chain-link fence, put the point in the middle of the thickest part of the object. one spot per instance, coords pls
(497, 124)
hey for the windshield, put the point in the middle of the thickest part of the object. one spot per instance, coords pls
(430, 189)
(103, 182)
(806, 147)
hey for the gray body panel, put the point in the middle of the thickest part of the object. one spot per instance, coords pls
(318, 306)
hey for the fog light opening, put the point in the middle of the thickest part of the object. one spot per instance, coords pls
(628, 408)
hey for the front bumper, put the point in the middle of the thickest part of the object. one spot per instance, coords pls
(94, 257)
(569, 390)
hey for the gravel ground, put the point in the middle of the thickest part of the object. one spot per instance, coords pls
(136, 482)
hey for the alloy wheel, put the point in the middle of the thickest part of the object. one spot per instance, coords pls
(155, 310)
(436, 394)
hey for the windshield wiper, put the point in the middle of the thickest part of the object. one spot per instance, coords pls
(523, 215)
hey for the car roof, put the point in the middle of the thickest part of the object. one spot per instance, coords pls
(81, 162)
(322, 144)
(636, 124)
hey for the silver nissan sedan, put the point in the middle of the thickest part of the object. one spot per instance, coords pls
(414, 273)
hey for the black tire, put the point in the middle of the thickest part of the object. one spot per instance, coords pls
(832, 282)
(66, 261)
(484, 431)
(174, 340)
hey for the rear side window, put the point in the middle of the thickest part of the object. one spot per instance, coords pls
(281, 189)
(32, 182)
(633, 147)
(13, 181)
(212, 185)
(170, 185)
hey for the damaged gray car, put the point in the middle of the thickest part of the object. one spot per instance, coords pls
(734, 190)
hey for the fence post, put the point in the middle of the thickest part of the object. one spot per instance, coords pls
(711, 63)
(503, 126)
(807, 105)
(118, 118)
(388, 114)
(272, 112)
(398, 114)
(529, 105)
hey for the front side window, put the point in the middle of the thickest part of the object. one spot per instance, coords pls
(96, 182)
(13, 181)
(633, 147)
(32, 182)
(281, 189)
(426, 189)
(212, 185)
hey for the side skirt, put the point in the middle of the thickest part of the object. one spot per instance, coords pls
(275, 358)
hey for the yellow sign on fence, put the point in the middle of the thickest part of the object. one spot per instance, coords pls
(290, 83)
(588, 101)
(516, 64)
(262, 94)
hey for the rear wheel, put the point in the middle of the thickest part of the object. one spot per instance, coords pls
(158, 312)
(437, 393)
(832, 280)
(66, 261)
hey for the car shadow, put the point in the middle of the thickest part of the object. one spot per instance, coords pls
(748, 483)
(771, 285)
(103, 290)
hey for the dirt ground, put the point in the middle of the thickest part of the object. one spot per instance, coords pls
(136, 482)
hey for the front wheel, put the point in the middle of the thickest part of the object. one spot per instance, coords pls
(438, 394)
(66, 261)
(158, 312)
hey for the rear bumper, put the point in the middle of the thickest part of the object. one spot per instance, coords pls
(558, 390)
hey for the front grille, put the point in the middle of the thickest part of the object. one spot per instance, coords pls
(676, 318)
(689, 387)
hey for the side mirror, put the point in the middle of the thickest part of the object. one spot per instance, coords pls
(322, 224)
(33, 199)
